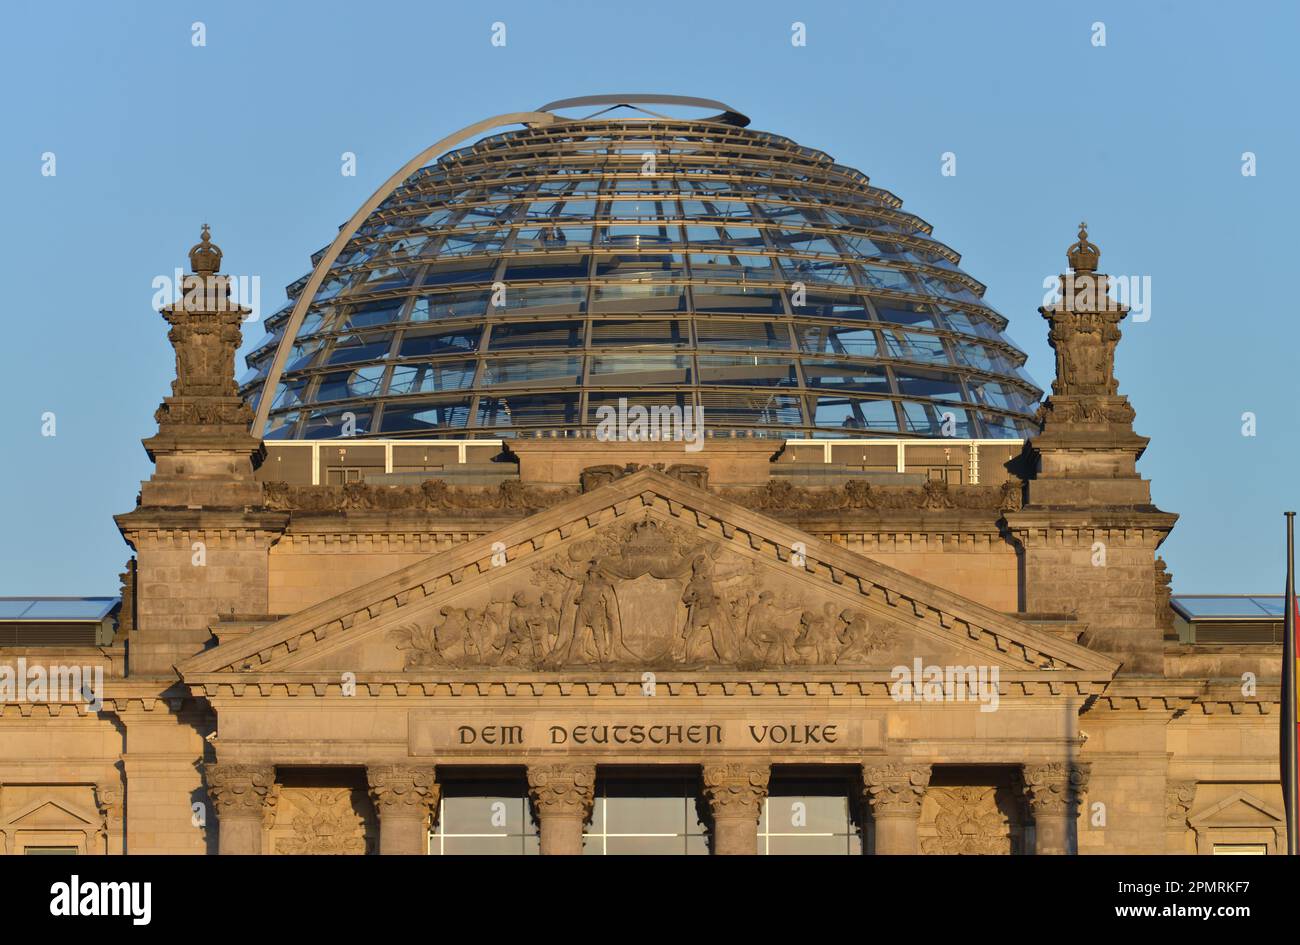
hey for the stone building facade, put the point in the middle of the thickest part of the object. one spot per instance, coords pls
(307, 668)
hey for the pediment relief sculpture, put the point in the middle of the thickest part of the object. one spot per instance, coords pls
(645, 573)
(644, 594)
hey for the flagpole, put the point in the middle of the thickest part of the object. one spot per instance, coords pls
(1289, 732)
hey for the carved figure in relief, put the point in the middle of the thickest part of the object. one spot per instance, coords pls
(532, 629)
(819, 639)
(773, 627)
(708, 635)
(597, 614)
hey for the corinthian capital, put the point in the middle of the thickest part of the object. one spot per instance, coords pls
(1055, 787)
(562, 789)
(403, 788)
(736, 789)
(895, 788)
(237, 789)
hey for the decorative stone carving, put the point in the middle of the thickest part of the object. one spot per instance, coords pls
(1179, 797)
(562, 789)
(409, 789)
(641, 595)
(108, 800)
(968, 821)
(1164, 595)
(324, 822)
(126, 613)
(239, 788)
(205, 334)
(1055, 788)
(778, 495)
(593, 477)
(895, 788)
(432, 495)
(736, 790)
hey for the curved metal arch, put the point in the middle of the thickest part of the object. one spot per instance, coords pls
(349, 230)
(728, 115)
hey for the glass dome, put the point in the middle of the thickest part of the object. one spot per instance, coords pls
(513, 287)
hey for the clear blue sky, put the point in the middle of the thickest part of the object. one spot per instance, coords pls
(1143, 137)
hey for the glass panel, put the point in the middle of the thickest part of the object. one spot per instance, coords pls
(548, 410)
(421, 342)
(498, 372)
(439, 376)
(640, 370)
(750, 334)
(506, 336)
(858, 377)
(329, 423)
(623, 333)
(431, 416)
(351, 348)
(449, 305)
(747, 371)
(838, 339)
(724, 298)
(855, 414)
(757, 409)
(638, 297)
(340, 385)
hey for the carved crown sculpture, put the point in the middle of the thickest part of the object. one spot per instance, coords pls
(205, 255)
(1083, 255)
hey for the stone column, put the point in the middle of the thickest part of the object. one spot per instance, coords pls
(1053, 791)
(405, 797)
(895, 791)
(735, 792)
(562, 797)
(1179, 797)
(239, 794)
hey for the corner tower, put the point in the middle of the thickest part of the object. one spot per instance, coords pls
(1089, 530)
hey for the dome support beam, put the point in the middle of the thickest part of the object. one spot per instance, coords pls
(349, 230)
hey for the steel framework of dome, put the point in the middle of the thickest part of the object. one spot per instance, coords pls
(514, 286)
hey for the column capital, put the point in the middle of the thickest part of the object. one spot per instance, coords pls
(1055, 787)
(239, 788)
(562, 789)
(895, 788)
(402, 788)
(736, 789)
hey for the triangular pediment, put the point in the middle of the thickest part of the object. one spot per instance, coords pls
(1239, 809)
(646, 573)
(50, 814)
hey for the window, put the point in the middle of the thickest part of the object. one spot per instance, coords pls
(484, 818)
(809, 816)
(646, 816)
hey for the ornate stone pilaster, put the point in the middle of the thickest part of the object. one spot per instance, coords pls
(405, 798)
(108, 798)
(1179, 798)
(735, 792)
(562, 797)
(239, 793)
(1053, 792)
(894, 792)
